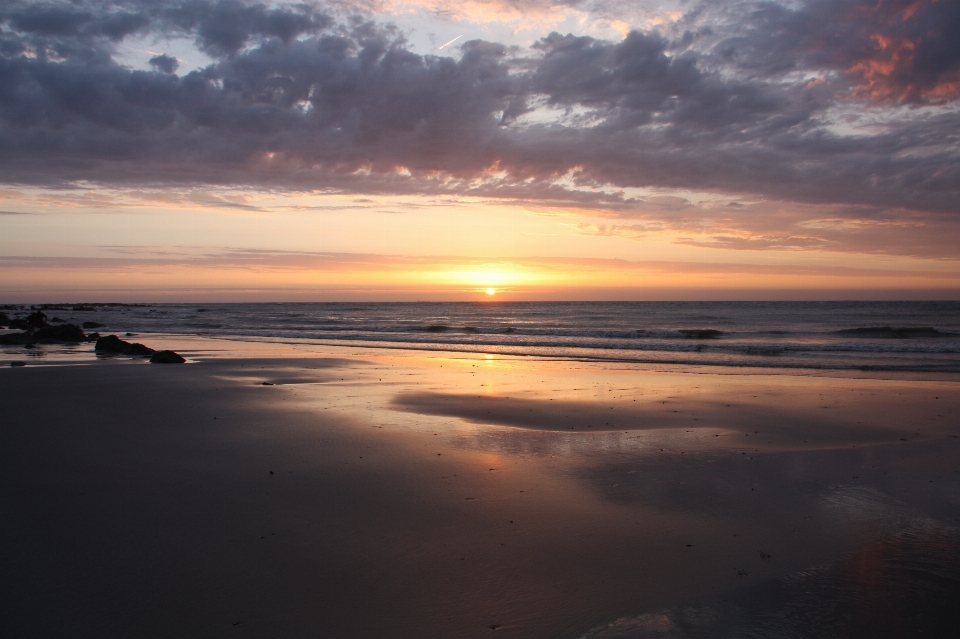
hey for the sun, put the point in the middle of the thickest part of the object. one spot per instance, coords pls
(490, 291)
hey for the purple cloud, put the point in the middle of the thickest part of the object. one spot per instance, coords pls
(738, 98)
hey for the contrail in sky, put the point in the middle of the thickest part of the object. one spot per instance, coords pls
(451, 42)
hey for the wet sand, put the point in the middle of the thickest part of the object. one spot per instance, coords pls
(370, 493)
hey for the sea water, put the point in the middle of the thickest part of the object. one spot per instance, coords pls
(880, 336)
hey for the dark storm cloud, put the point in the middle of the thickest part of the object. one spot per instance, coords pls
(736, 98)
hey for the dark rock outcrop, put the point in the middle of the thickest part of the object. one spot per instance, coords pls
(18, 363)
(4, 319)
(113, 344)
(60, 333)
(166, 357)
(93, 325)
(19, 324)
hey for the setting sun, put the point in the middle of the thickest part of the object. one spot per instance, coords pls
(490, 291)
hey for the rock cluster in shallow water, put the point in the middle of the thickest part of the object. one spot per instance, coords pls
(113, 344)
(42, 334)
(35, 330)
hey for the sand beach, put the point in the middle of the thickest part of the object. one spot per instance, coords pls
(289, 490)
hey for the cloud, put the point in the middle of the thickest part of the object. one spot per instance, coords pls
(164, 63)
(745, 99)
(220, 27)
(73, 19)
(226, 26)
(898, 50)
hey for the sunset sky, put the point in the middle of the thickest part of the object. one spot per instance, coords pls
(221, 150)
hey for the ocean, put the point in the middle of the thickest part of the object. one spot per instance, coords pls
(866, 336)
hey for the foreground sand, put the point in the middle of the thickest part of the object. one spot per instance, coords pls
(375, 493)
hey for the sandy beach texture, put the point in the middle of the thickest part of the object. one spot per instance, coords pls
(378, 493)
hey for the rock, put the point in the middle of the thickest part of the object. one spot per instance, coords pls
(113, 344)
(92, 324)
(139, 349)
(19, 324)
(166, 357)
(83, 307)
(4, 319)
(18, 363)
(92, 337)
(57, 320)
(60, 333)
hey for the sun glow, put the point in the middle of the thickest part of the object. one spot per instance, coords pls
(490, 279)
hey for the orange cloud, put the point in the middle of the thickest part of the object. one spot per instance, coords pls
(893, 70)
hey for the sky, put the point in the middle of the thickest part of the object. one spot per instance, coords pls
(226, 150)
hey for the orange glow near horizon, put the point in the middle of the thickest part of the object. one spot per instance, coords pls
(388, 279)
(112, 249)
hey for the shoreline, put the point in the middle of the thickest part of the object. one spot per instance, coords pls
(68, 353)
(863, 338)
